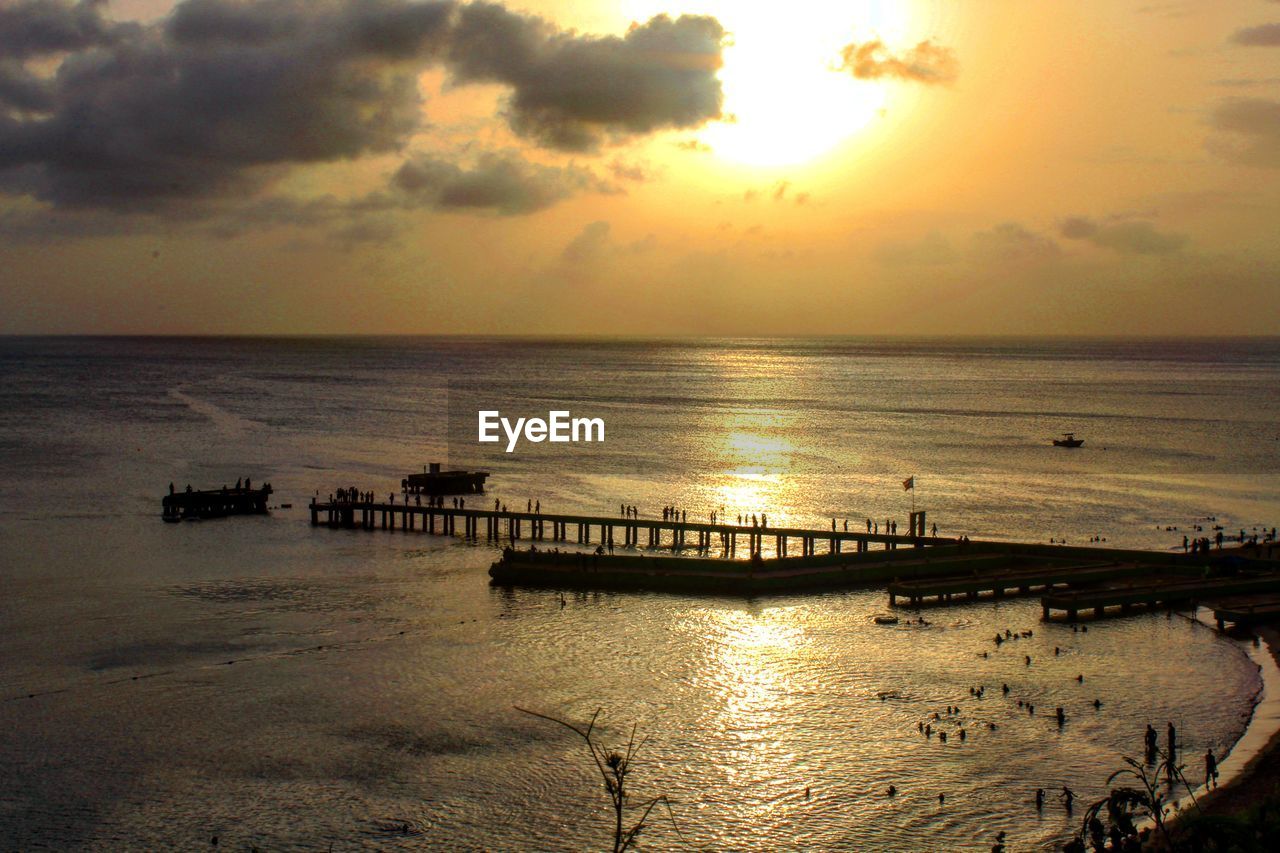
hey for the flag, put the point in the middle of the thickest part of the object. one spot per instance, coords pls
(909, 483)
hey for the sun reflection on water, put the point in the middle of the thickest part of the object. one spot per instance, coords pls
(752, 668)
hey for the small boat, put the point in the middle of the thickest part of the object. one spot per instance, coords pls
(886, 620)
(1068, 440)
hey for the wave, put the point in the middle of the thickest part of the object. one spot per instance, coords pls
(228, 423)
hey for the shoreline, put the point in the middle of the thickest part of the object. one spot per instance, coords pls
(1250, 772)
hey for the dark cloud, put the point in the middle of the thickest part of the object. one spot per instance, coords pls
(1249, 132)
(22, 91)
(503, 183)
(1130, 237)
(1264, 35)
(924, 63)
(40, 27)
(1010, 241)
(576, 92)
(206, 102)
(221, 97)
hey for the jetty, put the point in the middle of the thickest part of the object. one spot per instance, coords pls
(627, 532)
(1037, 575)
(627, 552)
(1246, 611)
(214, 503)
(1158, 592)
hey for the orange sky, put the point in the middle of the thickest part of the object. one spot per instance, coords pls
(986, 167)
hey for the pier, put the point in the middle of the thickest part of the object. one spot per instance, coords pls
(729, 558)
(1245, 612)
(610, 531)
(214, 503)
(1163, 592)
(1048, 576)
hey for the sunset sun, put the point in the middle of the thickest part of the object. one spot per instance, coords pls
(786, 101)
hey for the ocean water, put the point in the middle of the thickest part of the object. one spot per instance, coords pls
(289, 687)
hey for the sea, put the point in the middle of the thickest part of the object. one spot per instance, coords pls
(256, 682)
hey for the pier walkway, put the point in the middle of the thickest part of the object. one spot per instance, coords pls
(621, 531)
(1155, 593)
(1246, 611)
(1044, 578)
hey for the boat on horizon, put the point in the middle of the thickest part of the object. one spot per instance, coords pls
(1068, 440)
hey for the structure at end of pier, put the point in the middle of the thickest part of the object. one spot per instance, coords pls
(433, 481)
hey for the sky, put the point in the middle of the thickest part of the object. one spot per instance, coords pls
(640, 167)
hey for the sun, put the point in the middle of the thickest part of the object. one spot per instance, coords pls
(784, 103)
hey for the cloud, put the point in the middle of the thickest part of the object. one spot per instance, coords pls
(1126, 237)
(1244, 82)
(205, 102)
(1249, 132)
(590, 243)
(1263, 35)
(21, 90)
(575, 92)
(40, 27)
(222, 97)
(931, 250)
(924, 63)
(503, 183)
(1010, 241)
(694, 145)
